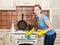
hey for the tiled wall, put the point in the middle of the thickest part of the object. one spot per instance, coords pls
(6, 16)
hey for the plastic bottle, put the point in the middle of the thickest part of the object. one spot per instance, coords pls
(12, 27)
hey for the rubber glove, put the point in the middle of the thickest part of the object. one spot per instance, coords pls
(30, 32)
(42, 32)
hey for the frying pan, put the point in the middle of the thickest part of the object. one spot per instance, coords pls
(22, 24)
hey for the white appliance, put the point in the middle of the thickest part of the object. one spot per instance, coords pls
(21, 39)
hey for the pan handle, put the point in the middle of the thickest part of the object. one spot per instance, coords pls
(22, 16)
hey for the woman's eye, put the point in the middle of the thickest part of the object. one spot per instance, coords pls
(36, 9)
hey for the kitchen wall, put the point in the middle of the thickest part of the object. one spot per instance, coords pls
(6, 16)
(51, 5)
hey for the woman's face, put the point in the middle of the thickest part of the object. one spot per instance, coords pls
(37, 10)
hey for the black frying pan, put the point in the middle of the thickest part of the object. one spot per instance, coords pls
(22, 24)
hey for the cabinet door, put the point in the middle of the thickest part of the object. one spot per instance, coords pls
(55, 16)
(57, 41)
(1, 42)
(45, 4)
(27, 2)
(0, 3)
(55, 3)
(7, 4)
(11, 39)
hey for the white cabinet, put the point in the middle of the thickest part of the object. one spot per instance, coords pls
(55, 16)
(7, 39)
(0, 3)
(57, 41)
(55, 13)
(45, 4)
(55, 3)
(7, 5)
(48, 4)
(3, 39)
(11, 39)
(26, 2)
(1, 42)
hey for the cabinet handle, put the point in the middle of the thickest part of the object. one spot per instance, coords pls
(17, 41)
(33, 41)
(10, 38)
(3, 42)
(0, 38)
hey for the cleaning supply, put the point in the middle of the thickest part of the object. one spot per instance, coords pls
(29, 33)
(12, 27)
(42, 32)
(28, 37)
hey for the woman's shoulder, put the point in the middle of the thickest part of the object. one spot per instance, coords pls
(43, 16)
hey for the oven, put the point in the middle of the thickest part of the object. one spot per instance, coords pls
(20, 39)
(26, 42)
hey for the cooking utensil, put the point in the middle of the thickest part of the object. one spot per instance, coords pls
(22, 24)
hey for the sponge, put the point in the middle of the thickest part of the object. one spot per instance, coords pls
(28, 37)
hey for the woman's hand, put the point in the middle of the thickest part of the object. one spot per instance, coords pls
(40, 33)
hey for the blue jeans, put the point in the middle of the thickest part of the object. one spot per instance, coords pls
(49, 39)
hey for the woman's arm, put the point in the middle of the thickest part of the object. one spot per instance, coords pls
(49, 25)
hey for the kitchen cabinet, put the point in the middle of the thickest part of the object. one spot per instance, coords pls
(7, 5)
(6, 38)
(1, 42)
(48, 4)
(45, 4)
(0, 3)
(55, 13)
(26, 2)
(55, 3)
(11, 39)
(55, 16)
(57, 41)
(3, 39)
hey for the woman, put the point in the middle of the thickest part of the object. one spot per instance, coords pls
(45, 24)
